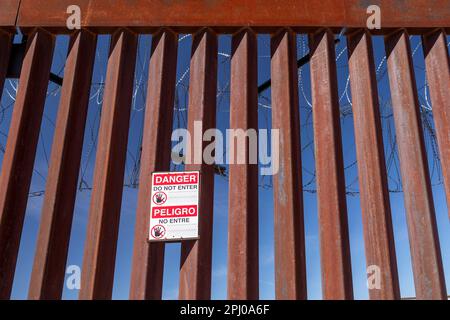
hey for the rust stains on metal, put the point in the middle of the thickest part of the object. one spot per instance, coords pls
(8, 13)
(196, 255)
(206, 18)
(243, 271)
(267, 14)
(290, 267)
(18, 161)
(423, 237)
(438, 75)
(375, 205)
(47, 278)
(103, 225)
(332, 207)
(148, 258)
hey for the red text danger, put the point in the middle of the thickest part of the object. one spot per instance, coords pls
(182, 178)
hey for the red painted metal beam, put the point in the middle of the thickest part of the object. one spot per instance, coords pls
(438, 75)
(236, 13)
(423, 236)
(20, 152)
(5, 51)
(9, 9)
(103, 226)
(243, 270)
(148, 258)
(290, 268)
(375, 205)
(196, 255)
(332, 207)
(47, 278)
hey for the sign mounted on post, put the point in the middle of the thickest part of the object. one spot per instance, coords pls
(174, 206)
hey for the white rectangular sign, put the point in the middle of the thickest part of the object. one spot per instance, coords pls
(174, 206)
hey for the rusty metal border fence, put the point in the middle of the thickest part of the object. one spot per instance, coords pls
(42, 20)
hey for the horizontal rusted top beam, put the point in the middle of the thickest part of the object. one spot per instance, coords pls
(9, 10)
(225, 15)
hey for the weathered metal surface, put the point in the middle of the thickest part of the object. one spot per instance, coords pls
(375, 205)
(103, 225)
(195, 265)
(5, 51)
(438, 75)
(332, 207)
(18, 161)
(47, 278)
(290, 268)
(253, 13)
(105, 16)
(423, 237)
(9, 10)
(243, 270)
(148, 258)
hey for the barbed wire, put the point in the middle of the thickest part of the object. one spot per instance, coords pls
(223, 91)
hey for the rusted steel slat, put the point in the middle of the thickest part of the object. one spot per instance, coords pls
(195, 269)
(103, 226)
(5, 51)
(20, 152)
(243, 276)
(438, 75)
(148, 259)
(332, 207)
(290, 268)
(237, 13)
(423, 237)
(375, 205)
(47, 278)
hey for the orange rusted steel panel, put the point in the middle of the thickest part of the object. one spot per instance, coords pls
(423, 236)
(235, 13)
(376, 209)
(290, 267)
(438, 75)
(17, 168)
(148, 258)
(332, 207)
(196, 255)
(47, 278)
(243, 271)
(5, 52)
(9, 10)
(103, 225)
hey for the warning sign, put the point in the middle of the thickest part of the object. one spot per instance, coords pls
(174, 206)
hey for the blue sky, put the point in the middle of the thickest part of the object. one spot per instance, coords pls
(172, 260)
